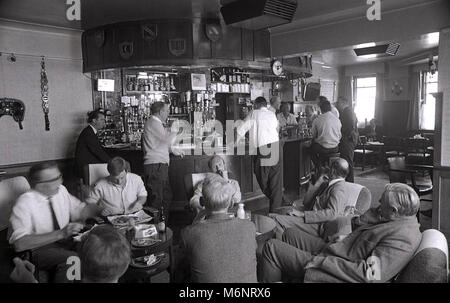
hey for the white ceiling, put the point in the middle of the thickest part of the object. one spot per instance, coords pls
(410, 51)
(310, 13)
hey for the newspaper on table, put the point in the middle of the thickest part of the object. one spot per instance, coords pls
(129, 219)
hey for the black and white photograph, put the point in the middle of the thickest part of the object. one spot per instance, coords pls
(224, 150)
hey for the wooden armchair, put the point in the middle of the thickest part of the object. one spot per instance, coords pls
(399, 171)
(362, 152)
(10, 190)
(393, 146)
(417, 151)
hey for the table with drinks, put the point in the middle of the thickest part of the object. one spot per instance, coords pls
(151, 243)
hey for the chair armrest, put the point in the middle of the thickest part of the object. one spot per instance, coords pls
(419, 166)
(406, 171)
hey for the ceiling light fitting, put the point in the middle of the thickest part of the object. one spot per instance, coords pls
(387, 49)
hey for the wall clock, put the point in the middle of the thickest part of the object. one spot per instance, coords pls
(277, 68)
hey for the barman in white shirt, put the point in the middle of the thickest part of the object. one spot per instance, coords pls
(326, 132)
(263, 124)
(157, 144)
(46, 215)
(285, 118)
(121, 192)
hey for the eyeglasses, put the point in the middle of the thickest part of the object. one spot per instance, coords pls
(50, 180)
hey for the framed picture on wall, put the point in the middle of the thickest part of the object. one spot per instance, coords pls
(198, 81)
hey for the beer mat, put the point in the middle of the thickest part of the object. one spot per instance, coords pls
(123, 220)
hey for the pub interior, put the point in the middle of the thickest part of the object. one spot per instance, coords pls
(224, 141)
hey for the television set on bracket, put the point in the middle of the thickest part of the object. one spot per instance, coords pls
(311, 91)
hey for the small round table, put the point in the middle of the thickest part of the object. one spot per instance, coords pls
(164, 249)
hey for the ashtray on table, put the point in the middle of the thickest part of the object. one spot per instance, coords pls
(146, 261)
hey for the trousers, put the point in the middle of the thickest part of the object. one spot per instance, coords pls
(270, 180)
(285, 260)
(158, 186)
(284, 222)
(317, 150)
(347, 150)
(53, 258)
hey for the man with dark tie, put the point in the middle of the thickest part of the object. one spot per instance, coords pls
(45, 216)
(88, 149)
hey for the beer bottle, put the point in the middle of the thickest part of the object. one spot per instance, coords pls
(162, 221)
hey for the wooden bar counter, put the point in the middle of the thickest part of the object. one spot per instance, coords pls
(240, 167)
(296, 162)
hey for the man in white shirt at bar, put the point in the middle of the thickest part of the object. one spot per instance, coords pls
(156, 144)
(121, 192)
(334, 110)
(45, 216)
(275, 103)
(326, 132)
(263, 124)
(285, 118)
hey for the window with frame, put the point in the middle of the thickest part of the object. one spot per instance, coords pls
(429, 83)
(364, 94)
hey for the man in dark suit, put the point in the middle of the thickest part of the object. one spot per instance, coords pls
(88, 149)
(219, 249)
(380, 244)
(349, 132)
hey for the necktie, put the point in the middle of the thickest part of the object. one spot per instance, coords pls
(52, 210)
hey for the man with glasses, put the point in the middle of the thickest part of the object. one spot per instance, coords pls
(44, 217)
(121, 192)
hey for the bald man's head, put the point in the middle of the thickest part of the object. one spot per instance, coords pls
(275, 101)
(339, 168)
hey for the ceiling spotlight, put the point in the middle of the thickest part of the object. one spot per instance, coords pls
(12, 58)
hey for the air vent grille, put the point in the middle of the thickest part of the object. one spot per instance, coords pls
(384, 49)
(393, 49)
(258, 14)
(282, 9)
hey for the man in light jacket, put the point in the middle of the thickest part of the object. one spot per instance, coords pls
(156, 144)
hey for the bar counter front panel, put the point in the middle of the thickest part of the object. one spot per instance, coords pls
(240, 167)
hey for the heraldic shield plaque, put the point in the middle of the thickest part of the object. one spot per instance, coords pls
(99, 38)
(149, 31)
(177, 47)
(126, 50)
